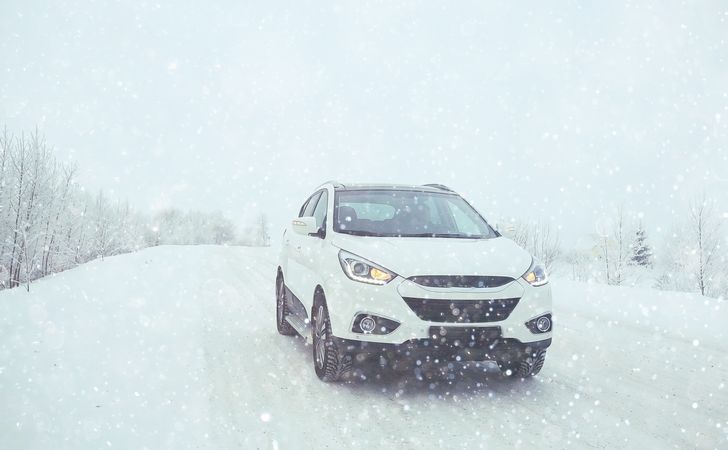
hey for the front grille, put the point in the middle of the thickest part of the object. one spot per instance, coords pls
(460, 281)
(461, 311)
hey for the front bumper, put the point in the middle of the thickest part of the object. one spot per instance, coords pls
(347, 299)
(429, 350)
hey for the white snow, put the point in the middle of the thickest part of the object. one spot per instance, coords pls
(176, 347)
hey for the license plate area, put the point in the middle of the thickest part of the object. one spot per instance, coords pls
(464, 337)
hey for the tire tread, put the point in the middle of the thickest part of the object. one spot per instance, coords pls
(284, 328)
(336, 364)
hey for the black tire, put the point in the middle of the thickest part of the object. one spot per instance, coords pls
(328, 362)
(282, 324)
(527, 367)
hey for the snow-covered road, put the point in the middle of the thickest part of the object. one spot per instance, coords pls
(176, 347)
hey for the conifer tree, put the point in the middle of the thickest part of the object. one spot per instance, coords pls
(641, 251)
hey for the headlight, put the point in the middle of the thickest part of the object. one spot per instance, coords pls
(536, 274)
(359, 269)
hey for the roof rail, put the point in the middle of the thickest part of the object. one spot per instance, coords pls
(335, 183)
(438, 186)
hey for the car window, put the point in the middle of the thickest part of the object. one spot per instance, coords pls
(371, 211)
(465, 222)
(320, 212)
(303, 207)
(308, 207)
(407, 214)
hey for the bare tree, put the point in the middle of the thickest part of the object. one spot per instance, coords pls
(104, 237)
(612, 245)
(6, 143)
(49, 224)
(19, 161)
(540, 239)
(51, 246)
(704, 242)
(604, 244)
(581, 264)
(621, 247)
(40, 194)
(692, 257)
(263, 233)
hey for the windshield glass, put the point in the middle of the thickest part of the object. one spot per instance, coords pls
(403, 213)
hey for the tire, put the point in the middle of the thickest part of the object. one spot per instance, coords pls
(525, 368)
(282, 324)
(330, 364)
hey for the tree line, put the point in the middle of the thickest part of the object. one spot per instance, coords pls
(49, 223)
(692, 258)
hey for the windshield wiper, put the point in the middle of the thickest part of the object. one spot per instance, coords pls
(361, 233)
(427, 235)
(445, 235)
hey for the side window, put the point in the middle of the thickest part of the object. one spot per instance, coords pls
(307, 208)
(321, 207)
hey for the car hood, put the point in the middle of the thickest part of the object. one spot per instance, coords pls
(440, 256)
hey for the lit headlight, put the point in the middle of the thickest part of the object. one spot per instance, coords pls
(536, 274)
(359, 269)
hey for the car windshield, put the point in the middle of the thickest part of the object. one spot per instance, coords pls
(404, 213)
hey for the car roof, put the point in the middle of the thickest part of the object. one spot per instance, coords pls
(389, 186)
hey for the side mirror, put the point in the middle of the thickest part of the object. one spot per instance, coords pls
(305, 225)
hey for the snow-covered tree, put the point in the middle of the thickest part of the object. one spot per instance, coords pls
(175, 227)
(641, 251)
(693, 254)
(581, 264)
(263, 231)
(612, 248)
(703, 243)
(539, 238)
(49, 224)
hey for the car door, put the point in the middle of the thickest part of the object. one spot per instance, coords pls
(294, 242)
(311, 249)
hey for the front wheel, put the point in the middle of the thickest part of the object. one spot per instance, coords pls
(328, 362)
(527, 367)
(282, 324)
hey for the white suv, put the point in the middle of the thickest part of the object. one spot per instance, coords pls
(408, 273)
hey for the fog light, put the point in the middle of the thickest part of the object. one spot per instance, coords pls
(372, 324)
(543, 324)
(540, 324)
(367, 325)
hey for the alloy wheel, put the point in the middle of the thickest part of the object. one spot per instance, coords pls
(320, 337)
(281, 303)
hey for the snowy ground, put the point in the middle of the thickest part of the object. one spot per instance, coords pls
(175, 347)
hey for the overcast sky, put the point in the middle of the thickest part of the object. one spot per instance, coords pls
(552, 110)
